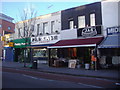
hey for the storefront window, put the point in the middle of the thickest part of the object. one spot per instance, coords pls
(53, 53)
(40, 53)
(110, 52)
(72, 52)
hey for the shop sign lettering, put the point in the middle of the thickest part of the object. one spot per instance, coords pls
(44, 39)
(19, 44)
(89, 32)
(113, 30)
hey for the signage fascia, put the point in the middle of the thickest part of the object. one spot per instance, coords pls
(21, 43)
(90, 31)
(49, 39)
(113, 30)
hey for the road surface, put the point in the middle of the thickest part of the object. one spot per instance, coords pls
(16, 78)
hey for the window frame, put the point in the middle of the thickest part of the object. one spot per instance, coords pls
(0, 25)
(52, 26)
(38, 29)
(92, 19)
(45, 27)
(9, 28)
(71, 25)
(19, 34)
(81, 21)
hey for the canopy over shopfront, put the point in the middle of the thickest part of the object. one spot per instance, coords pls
(113, 38)
(21, 43)
(88, 42)
(111, 42)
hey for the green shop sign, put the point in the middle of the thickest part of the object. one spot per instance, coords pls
(21, 43)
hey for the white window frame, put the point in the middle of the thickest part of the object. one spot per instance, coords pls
(19, 34)
(38, 29)
(52, 26)
(32, 27)
(45, 27)
(92, 19)
(81, 21)
(0, 25)
(71, 24)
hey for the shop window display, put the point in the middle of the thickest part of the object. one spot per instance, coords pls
(40, 53)
(53, 53)
(81, 55)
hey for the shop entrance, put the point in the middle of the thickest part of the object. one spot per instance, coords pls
(21, 55)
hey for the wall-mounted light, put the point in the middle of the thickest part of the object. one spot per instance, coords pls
(47, 33)
(57, 32)
(75, 27)
(41, 34)
(33, 35)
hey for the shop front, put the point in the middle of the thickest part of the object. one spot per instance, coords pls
(80, 50)
(110, 48)
(77, 50)
(8, 52)
(8, 48)
(21, 52)
(39, 46)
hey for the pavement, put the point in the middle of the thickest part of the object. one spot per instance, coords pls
(103, 73)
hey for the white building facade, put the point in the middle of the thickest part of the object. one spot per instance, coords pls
(110, 46)
(47, 32)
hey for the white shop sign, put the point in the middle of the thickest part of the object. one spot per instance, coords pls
(50, 39)
(89, 32)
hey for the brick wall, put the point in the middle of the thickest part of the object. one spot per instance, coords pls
(5, 25)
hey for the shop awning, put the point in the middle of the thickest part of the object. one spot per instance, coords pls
(88, 42)
(21, 43)
(112, 41)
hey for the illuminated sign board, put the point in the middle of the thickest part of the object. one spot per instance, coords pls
(113, 30)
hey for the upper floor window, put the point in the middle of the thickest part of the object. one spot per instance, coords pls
(52, 26)
(25, 32)
(9, 28)
(92, 19)
(0, 25)
(45, 27)
(38, 27)
(19, 35)
(81, 21)
(71, 24)
(32, 27)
